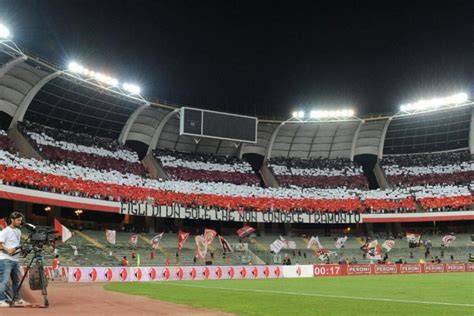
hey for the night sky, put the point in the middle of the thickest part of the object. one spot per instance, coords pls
(263, 58)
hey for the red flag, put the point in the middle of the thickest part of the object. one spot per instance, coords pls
(245, 231)
(3, 223)
(62, 231)
(209, 235)
(201, 246)
(226, 247)
(182, 237)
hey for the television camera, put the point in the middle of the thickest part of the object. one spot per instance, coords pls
(38, 237)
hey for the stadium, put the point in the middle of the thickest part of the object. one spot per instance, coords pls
(161, 208)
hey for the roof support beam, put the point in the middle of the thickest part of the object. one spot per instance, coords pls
(12, 63)
(25, 103)
(159, 128)
(128, 125)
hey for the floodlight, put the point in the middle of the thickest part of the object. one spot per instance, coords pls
(300, 114)
(133, 89)
(435, 103)
(74, 67)
(4, 32)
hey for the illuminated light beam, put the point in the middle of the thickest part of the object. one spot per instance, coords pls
(435, 103)
(4, 32)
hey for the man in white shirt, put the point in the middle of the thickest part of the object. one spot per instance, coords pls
(9, 261)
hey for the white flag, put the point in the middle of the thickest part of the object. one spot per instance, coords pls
(110, 235)
(288, 244)
(277, 245)
(340, 242)
(314, 241)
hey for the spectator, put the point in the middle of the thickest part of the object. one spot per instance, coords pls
(124, 261)
(55, 266)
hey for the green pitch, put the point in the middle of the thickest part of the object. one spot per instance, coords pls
(425, 294)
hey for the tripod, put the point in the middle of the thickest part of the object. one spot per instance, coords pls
(37, 280)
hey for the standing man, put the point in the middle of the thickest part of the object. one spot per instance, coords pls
(9, 261)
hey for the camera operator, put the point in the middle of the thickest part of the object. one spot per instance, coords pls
(9, 261)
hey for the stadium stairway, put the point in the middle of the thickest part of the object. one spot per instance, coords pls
(268, 177)
(155, 169)
(23, 146)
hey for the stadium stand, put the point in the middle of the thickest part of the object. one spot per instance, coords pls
(318, 172)
(113, 185)
(204, 167)
(94, 250)
(430, 169)
(6, 143)
(82, 149)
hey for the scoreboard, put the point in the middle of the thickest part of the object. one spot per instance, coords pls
(219, 125)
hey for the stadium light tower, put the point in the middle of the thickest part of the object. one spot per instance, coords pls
(4, 32)
(435, 103)
(323, 116)
(101, 80)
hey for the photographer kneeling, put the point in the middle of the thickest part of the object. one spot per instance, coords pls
(9, 261)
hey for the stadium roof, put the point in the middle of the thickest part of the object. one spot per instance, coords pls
(259, 58)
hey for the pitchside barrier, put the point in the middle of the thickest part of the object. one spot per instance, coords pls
(144, 274)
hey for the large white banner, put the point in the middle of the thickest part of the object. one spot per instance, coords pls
(215, 214)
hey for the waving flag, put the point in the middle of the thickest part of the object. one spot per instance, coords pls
(155, 241)
(201, 246)
(62, 231)
(209, 235)
(277, 245)
(245, 231)
(314, 241)
(288, 244)
(388, 244)
(447, 240)
(373, 250)
(3, 223)
(413, 240)
(340, 242)
(226, 247)
(110, 235)
(324, 254)
(182, 237)
(134, 239)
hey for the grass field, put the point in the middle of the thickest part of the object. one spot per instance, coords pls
(425, 294)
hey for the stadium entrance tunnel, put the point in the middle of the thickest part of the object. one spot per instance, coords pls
(256, 161)
(139, 147)
(368, 162)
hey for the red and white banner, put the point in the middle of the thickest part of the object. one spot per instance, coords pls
(143, 274)
(377, 269)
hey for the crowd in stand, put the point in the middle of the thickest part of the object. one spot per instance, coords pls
(6, 143)
(113, 185)
(76, 177)
(204, 167)
(429, 169)
(318, 172)
(82, 149)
